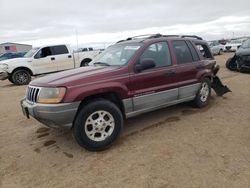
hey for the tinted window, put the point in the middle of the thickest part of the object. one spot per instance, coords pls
(193, 51)
(60, 50)
(159, 52)
(44, 52)
(182, 52)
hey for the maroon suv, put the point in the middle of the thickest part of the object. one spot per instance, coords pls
(131, 77)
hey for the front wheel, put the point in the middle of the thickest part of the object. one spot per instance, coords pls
(231, 64)
(203, 94)
(21, 77)
(97, 125)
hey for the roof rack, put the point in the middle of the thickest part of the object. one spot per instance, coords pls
(158, 35)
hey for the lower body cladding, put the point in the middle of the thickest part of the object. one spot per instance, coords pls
(62, 115)
(146, 103)
(52, 115)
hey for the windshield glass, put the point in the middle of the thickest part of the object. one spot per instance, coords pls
(31, 52)
(116, 55)
(246, 44)
(235, 42)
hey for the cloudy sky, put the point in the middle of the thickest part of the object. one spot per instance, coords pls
(99, 22)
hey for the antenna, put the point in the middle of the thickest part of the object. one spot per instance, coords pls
(77, 49)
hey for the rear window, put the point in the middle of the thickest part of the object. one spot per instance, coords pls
(57, 50)
(182, 52)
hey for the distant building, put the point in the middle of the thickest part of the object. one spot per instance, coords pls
(14, 47)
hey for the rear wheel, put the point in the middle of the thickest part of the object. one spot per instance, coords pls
(97, 125)
(85, 62)
(203, 94)
(21, 77)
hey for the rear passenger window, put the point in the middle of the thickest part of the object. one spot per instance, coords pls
(159, 52)
(182, 52)
(60, 50)
(193, 51)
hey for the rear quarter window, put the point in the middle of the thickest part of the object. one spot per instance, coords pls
(58, 50)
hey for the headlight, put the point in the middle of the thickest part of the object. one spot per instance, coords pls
(4, 67)
(51, 95)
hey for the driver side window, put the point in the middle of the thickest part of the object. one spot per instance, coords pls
(44, 52)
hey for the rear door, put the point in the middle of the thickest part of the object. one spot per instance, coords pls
(189, 63)
(62, 57)
(154, 87)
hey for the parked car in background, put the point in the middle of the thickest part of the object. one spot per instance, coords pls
(11, 55)
(241, 60)
(233, 45)
(216, 48)
(84, 49)
(43, 60)
(131, 77)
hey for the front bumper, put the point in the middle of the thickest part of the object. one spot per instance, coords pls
(52, 115)
(3, 75)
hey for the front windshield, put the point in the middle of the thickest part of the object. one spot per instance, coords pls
(235, 42)
(116, 55)
(246, 44)
(31, 52)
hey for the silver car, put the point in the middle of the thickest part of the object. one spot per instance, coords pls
(216, 47)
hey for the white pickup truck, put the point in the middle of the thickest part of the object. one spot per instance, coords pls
(43, 60)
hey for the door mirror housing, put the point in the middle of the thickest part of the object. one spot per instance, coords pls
(145, 64)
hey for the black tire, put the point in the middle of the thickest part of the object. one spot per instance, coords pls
(85, 62)
(82, 131)
(200, 99)
(220, 52)
(231, 64)
(21, 77)
(10, 79)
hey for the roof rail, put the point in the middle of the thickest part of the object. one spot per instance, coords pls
(191, 36)
(158, 35)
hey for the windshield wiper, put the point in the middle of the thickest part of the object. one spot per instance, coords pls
(101, 63)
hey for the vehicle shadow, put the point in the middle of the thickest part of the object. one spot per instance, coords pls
(62, 141)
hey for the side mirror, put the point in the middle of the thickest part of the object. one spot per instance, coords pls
(145, 64)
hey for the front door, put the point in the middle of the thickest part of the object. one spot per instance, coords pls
(44, 61)
(154, 87)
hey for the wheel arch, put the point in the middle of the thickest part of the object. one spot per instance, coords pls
(23, 68)
(85, 60)
(110, 96)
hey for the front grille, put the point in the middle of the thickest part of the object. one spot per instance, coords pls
(32, 93)
(228, 47)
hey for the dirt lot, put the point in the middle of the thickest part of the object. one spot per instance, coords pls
(178, 146)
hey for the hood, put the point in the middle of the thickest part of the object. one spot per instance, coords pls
(15, 61)
(243, 51)
(80, 75)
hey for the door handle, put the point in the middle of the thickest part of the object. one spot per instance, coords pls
(52, 59)
(171, 73)
(200, 66)
(70, 56)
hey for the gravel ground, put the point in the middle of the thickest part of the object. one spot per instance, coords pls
(180, 146)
